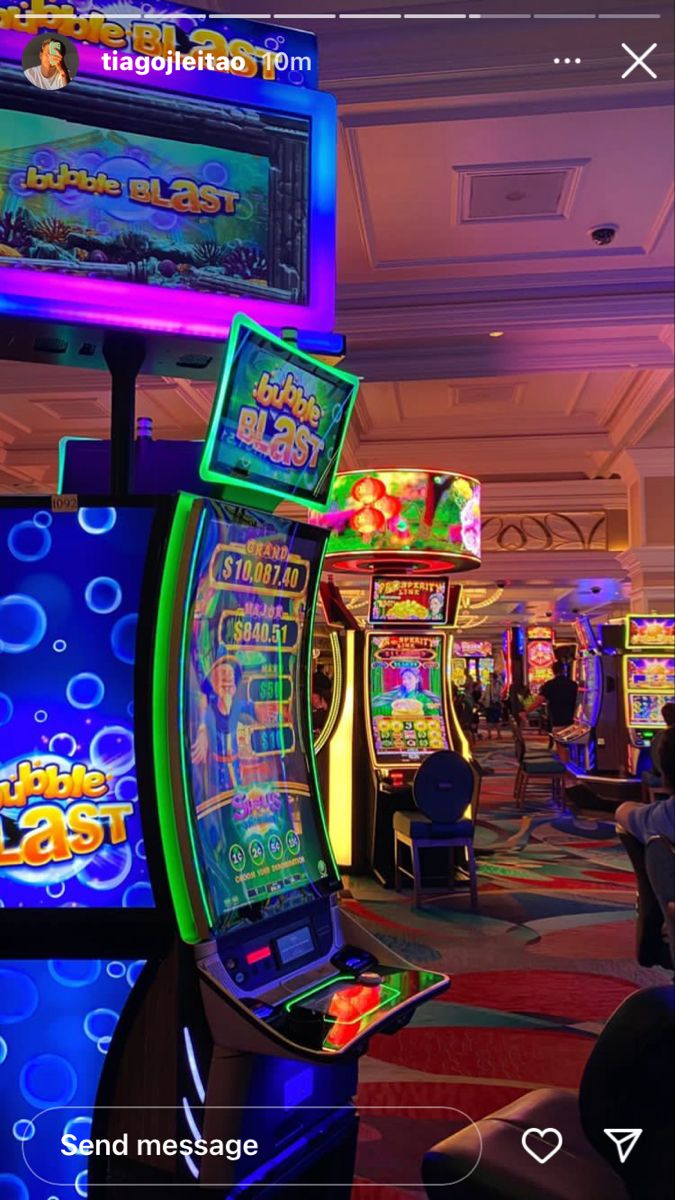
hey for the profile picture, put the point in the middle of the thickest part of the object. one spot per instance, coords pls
(50, 61)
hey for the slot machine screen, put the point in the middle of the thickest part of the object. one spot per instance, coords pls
(409, 600)
(260, 836)
(651, 674)
(406, 696)
(70, 823)
(645, 709)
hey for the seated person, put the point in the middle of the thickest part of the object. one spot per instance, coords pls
(645, 821)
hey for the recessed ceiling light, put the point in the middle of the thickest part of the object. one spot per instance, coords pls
(496, 333)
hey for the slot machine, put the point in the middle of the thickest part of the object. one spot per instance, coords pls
(412, 532)
(648, 682)
(539, 655)
(578, 742)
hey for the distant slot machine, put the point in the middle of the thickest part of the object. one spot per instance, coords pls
(579, 739)
(474, 658)
(412, 531)
(649, 680)
(539, 655)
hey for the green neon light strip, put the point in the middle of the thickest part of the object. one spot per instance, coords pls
(309, 747)
(161, 733)
(318, 987)
(186, 794)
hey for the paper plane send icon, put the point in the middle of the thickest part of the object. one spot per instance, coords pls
(624, 1140)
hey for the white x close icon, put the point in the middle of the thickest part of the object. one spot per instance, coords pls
(639, 60)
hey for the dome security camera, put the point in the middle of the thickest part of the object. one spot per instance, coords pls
(603, 235)
(576, 610)
(501, 583)
(596, 590)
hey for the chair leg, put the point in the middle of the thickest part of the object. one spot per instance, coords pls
(397, 869)
(452, 867)
(473, 878)
(417, 876)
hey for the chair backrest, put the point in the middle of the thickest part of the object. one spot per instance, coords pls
(627, 1083)
(444, 786)
(660, 865)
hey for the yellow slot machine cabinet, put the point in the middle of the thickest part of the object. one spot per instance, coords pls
(411, 531)
(648, 682)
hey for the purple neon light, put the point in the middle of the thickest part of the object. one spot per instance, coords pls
(143, 307)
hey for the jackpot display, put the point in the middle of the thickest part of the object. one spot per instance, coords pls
(279, 417)
(650, 632)
(406, 696)
(409, 600)
(70, 826)
(253, 803)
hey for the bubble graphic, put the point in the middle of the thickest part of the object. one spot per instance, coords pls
(103, 594)
(133, 971)
(215, 172)
(123, 638)
(56, 890)
(164, 220)
(85, 690)
(43, 519)
(29, 542)
(47, 1079)
(103, 1044)
(12, 1188)
(115, 970)
(63, 744)
(130, 708)
(23, 624)
(41, 716)
(139, 895)
(79, 1127)
(140, 849)
(74, 973)
(126, 789)
(108, 868)
(6, 709)
(3, 1050)
(18, 996)
(112, 750)
(23, 1130)
(97, 520)
(100, 1023)
(81, 1183)
(59, 645)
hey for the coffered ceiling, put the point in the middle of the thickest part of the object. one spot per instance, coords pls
(471, 172)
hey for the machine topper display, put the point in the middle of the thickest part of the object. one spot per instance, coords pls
(104, 220)
(377, 519)
(279, 418)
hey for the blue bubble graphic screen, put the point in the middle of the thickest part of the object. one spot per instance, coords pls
(57, 1021)
(70, 825)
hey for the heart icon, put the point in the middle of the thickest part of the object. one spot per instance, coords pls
(548, 1136)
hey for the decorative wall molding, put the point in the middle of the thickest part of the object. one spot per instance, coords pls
(545, 531)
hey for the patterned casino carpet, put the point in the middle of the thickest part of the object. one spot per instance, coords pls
(534, 977)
